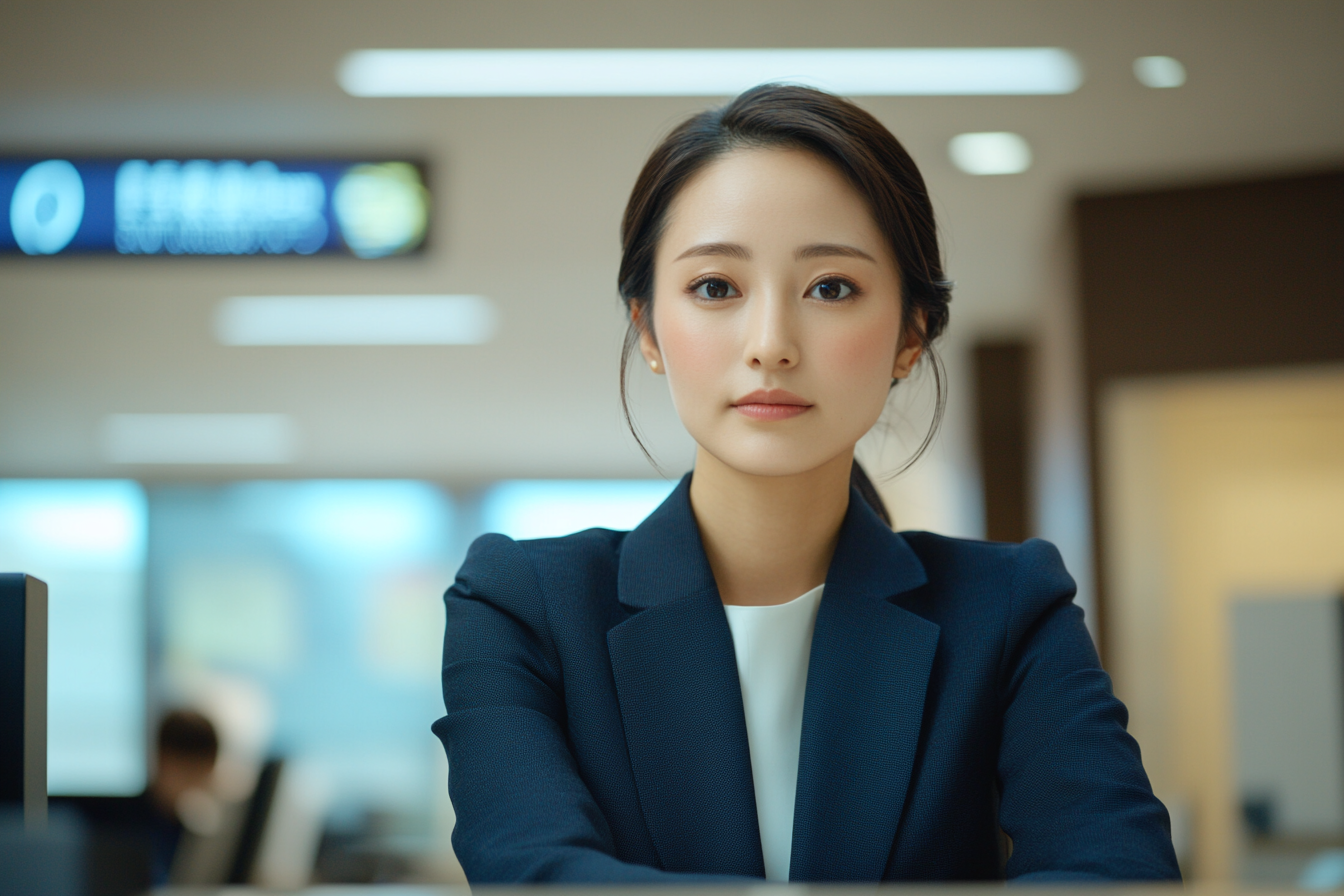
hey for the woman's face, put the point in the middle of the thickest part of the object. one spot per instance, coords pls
(776, 312)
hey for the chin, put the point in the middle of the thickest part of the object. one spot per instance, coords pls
(758, 467)
(771, 456)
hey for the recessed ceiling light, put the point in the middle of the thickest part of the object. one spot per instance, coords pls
(1159, 71)
(990, 152)
(355, 320)
(199, 439)
(721, 72)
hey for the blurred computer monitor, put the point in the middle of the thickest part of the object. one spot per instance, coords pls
(23, 696)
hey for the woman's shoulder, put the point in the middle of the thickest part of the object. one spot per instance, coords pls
(998, 576)
(990, 557)
(589, 542)
(583, 561)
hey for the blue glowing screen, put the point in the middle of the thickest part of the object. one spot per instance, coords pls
(304, 617)
(87, 539)
(547, 508)
(149, 206)
(308, 616)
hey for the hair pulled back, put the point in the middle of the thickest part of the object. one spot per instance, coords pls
(866, 153)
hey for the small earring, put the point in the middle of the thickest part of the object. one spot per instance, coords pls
(653, 365)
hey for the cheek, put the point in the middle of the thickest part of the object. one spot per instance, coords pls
(695, 350)
(863, 357)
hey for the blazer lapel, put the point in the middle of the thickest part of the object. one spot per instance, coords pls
(866, 680)
(680, 700)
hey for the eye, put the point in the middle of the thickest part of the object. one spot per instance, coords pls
(831, 290)
(714, 288)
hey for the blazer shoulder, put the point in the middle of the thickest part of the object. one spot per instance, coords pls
(993, 559)
(1021, 580)
(923, 541)
(578, 547)
(540, 570)
(496, 552)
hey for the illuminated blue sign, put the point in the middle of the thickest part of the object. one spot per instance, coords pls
(205, 207)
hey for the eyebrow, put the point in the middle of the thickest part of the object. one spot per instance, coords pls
(732, 250)
(824, 250)
(737, 250)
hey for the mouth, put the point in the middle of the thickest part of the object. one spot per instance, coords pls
(771, 404)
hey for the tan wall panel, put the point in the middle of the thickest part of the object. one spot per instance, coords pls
(1215, 486)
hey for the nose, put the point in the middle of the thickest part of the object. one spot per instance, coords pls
(771, 332)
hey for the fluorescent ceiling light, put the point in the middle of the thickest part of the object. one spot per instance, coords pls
(855, 72)
(355, 320)
(199, 439)
(990, 152)
(1159, 71)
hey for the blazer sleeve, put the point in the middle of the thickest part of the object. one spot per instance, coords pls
(1074, 796)
(524, 814)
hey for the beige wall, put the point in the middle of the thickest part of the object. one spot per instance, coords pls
(1216, 486)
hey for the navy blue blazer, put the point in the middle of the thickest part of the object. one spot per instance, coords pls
(595, 729)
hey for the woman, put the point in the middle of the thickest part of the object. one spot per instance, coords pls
(762, 679)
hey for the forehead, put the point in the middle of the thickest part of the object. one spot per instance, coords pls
(759, 197)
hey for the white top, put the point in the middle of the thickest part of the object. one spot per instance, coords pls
(773, 645)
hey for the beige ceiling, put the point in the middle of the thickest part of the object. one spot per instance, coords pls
(529, 192)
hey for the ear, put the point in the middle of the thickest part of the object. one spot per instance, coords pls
(648, 346)
(909, 353)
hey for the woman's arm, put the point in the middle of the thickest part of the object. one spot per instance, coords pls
(1075, 799)
(523, 812)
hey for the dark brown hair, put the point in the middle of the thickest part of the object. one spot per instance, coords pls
(856, 143)
(187, 734)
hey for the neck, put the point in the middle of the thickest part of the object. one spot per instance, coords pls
(768, 539)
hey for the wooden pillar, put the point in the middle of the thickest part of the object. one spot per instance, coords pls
(1002, 380)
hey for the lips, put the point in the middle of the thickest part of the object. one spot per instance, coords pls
(771, 404)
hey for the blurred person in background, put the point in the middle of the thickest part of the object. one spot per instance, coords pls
(134, 838)
(187, 749)
(629, 706)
